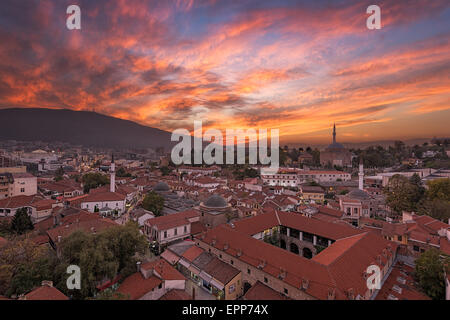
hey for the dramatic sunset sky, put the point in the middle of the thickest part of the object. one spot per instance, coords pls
(294, 65)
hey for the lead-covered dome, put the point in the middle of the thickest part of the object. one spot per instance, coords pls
(161, 186)
(216, 201)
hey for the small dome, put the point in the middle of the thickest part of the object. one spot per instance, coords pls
(161, 186)
(216, 201)
(358, 194)
(336, 145)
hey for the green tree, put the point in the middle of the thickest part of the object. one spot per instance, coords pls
(402, 194)
(122, 173)
(125, 242)
(100, 256)
(31, 274)
(439, 189)
(429, 273)
(93, 180)
(21, 222)
(436, 208)
(15, 258)
(153, 202)
(165, 170)
(59, 174)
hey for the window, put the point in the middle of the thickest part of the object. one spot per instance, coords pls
(165, 234)
(22, 189)
(416, 248)
(248, 271)
(220, 256)
(160, 286)
(232, 262)
(176, 231)
(266, 280)
(399, 238)
(286, 291)
(185, 229)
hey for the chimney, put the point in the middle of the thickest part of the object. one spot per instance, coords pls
(305, 284)
(332, 294)
(47, 283)
(350, 294)
(138, 266)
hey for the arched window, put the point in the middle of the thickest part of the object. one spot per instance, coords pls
(294, 248)
(307, 253)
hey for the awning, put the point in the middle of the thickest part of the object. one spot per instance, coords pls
(203, 275)
(217, 284)
(184, 263)
(170, 257)
(194, 270)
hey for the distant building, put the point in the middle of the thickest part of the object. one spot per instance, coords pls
(312, 193)
(215, 210)
(335, 154)
(171, 228)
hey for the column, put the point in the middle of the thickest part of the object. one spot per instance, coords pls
(288, 231)
(314, 240)
(301, 236)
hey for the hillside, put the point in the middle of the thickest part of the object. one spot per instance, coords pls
(78, 127)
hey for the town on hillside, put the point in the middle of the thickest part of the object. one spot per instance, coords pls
(138, 227)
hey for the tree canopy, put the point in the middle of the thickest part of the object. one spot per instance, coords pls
(93, 180)
(154, 203)
(403, 194)
(21, 222)
(429, 273)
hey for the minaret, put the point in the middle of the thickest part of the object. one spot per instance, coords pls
(112, 171)
(361, 174)
(334, 133)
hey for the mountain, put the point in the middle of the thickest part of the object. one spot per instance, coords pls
(79, 128)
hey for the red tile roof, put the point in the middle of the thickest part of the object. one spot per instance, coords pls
(172, 220)
(192, 253)
(136, 286)
(46, 293)
(401, 276)
(339, 267)
(163, 270)
(333, 231)
(104, 196)
(86, 226)
(260, 291)
(176, 294)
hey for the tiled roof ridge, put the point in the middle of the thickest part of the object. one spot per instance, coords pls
(360, 235)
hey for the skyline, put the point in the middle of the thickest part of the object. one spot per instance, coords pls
(291, 65)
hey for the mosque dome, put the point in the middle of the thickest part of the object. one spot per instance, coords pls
(161, 187)
(216, 201)
(358, 194)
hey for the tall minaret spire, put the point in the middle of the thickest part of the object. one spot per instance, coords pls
(112, 171)
(334, 133)
(361, 174)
